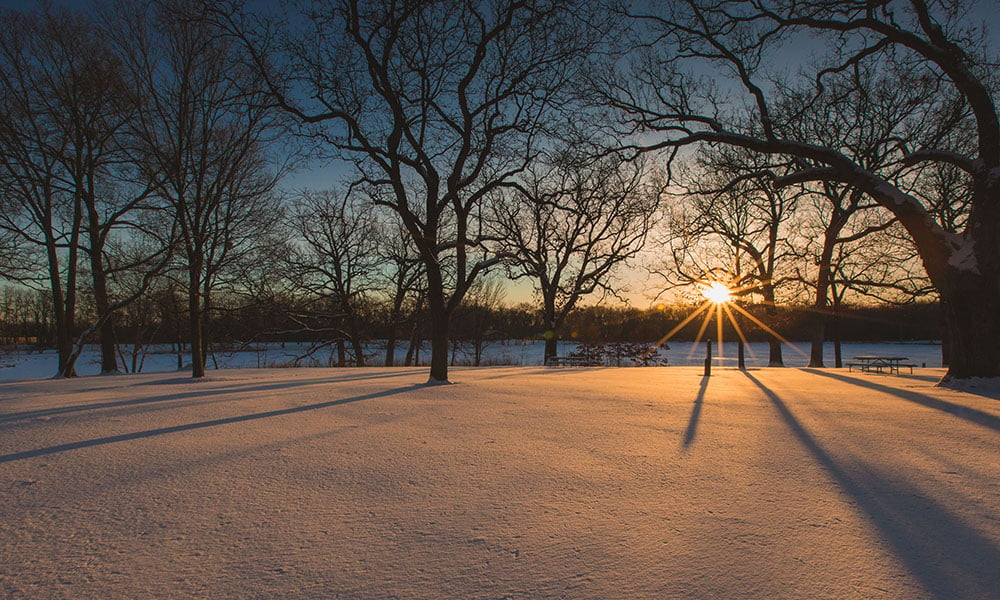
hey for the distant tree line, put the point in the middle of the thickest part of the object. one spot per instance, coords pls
(160, 320)
(146, 148)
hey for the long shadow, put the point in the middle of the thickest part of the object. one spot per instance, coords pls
(231, 389)
(192, 426)
(949, 558)
(364, 374)
(963, 412)
(692, 428)
(514, 371)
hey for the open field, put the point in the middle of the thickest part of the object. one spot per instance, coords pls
(516, 482)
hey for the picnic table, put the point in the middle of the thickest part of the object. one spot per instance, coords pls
(568, 361)
(868, 363)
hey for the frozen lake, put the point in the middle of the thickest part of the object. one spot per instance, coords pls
(22, 364)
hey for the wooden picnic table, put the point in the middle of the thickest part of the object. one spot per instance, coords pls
(869, 363)
(568, 361)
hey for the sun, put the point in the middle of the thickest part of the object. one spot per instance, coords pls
(717, 292)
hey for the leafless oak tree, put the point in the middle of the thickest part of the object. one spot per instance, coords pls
(570, 224)
(924, 44)
(438, 104)
(204, 128)
(67, 169)
(335, 258)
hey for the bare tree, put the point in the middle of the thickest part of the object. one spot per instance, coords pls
(732, 203)
(858, 113)
(337, 260)
(571, 223)
(926, 45)
(438, 104)
(475, 320)
(39, 212)
(67, 144)
(402, 278)
(204, 128)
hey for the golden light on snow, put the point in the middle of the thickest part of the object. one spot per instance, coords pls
(717, 292)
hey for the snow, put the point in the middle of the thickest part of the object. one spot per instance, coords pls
(23, 364)
(515, 482)
(963, 254)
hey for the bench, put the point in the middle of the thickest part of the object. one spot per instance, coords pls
(567, 361)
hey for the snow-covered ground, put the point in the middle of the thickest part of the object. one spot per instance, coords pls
(516, 482)
(22, 364)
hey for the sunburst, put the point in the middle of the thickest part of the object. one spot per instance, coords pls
(720, 303)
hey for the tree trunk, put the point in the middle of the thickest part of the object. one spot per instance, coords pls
(775, 357)
(477, 352)
(824, 281)
(818, 339)
(341, 354)
(972, 318)
(109, 360)
(63, 343)
(359, 351)
(206, 325)
(551, 347)
(62, 309)
(390, 348)
(838, 359)
(64, 298)
(945, 337)
(411, 349)
(195, 323)
(439, 340)
(439, 317)
(551, 335)
(99, 277)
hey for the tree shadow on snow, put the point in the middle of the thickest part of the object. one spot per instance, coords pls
(963, 412)
(949, 558)
(692, 427)
(201, 425)
(199, 394)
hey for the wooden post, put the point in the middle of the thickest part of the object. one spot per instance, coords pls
(708, 357)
